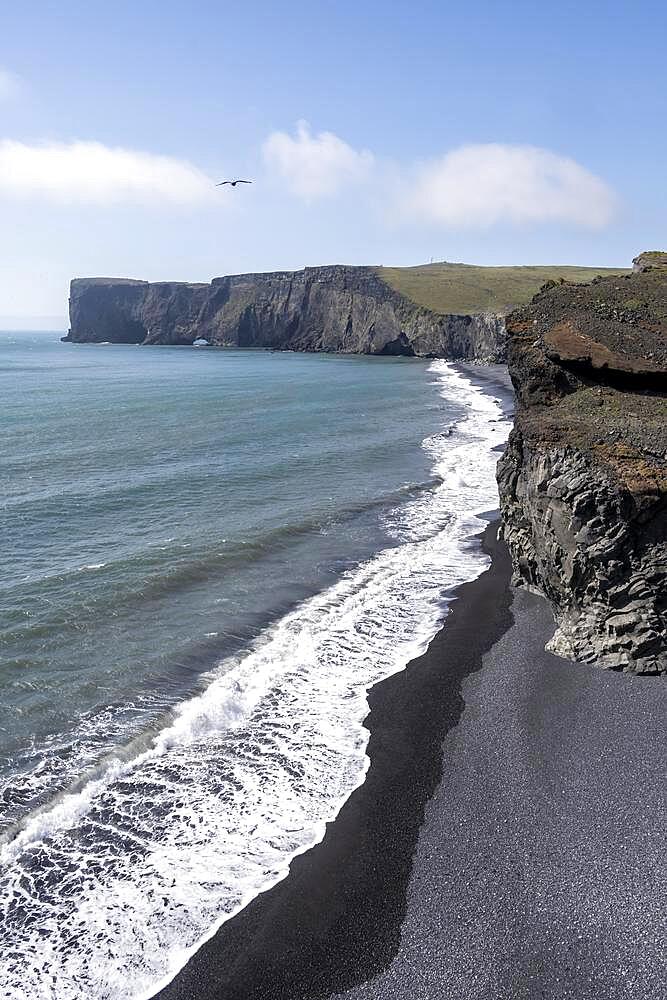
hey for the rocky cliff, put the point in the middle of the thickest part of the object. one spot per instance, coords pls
(583, 481)
(348, 309)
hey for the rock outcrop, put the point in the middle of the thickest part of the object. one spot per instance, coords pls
(649, 259)
(583, 481)
(347, 309)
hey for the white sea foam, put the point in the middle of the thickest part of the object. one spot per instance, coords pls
(107, 893)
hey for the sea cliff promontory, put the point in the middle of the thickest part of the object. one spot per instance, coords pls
(346, 309)
(442, 310)
(583, 481)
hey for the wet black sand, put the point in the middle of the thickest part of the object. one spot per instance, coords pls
(541, 869)
(525, 861)
(336, 919)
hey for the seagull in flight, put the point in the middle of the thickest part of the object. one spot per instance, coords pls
(233, 183)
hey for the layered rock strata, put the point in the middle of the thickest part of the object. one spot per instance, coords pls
(583, 481)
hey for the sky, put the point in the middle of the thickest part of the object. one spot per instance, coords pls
(374, 133)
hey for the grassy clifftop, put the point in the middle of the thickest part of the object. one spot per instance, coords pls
(464, 288)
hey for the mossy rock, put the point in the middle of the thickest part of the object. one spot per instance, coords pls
(650, 259)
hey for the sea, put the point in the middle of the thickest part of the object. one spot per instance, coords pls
(208, 557)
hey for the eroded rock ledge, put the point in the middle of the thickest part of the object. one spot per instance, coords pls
(583, 481)
(347, 309)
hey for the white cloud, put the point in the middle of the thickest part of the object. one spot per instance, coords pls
(475, 186)
(10, 84)
(481, 185)
(93, 173)
(315, 166)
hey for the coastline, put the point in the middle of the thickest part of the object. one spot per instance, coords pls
(506, 841)
(317, 932)
(397, 600)
(540, 870)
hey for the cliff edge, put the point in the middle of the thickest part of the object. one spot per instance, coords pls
(338, 308)
(583, 480)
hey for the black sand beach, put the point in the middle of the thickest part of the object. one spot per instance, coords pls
(507, 842)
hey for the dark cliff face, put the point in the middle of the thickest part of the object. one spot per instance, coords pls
(347, 309)
(583, 481)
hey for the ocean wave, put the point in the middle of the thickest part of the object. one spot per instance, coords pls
(159, 575)
(109, 891)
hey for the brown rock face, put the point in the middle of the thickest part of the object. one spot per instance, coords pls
(347, 309)
(583, 481)
(565, 344)
(649, 259)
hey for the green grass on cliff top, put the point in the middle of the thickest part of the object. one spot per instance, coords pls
(465, 288)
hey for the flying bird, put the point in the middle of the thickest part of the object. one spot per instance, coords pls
(233, 183)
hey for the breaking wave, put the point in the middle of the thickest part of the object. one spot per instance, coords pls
(108, 891)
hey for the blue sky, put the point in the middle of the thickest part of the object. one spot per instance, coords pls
(485, 132)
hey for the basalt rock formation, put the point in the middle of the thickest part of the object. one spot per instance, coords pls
(583, 481)
(347, 309)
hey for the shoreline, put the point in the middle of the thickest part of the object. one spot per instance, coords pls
(302, 938)
(540, 869)
(507, 841)
(396, 622)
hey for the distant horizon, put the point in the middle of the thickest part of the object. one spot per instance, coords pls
(32, 324)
